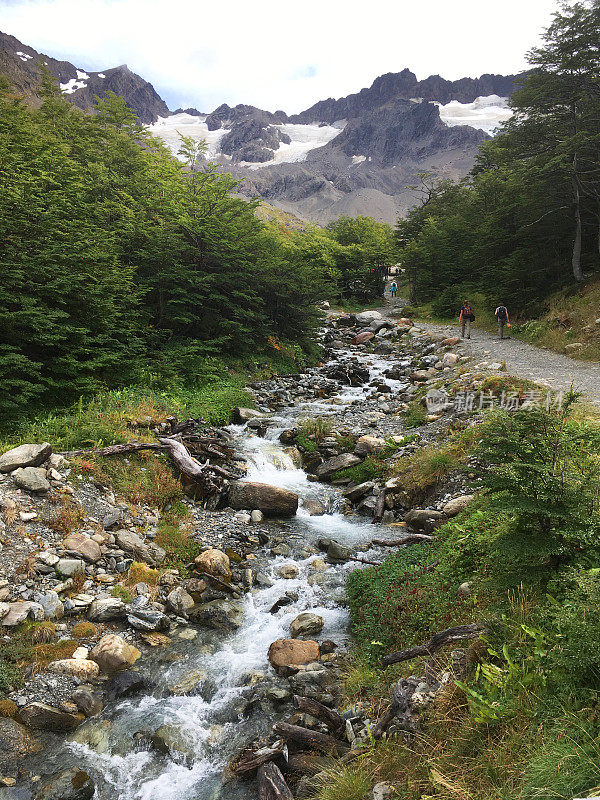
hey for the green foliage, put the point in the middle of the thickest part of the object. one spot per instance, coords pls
(415, 416)
(122, 593)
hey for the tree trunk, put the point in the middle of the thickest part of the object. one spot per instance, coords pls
(272, 785)
(437, 641)
(576, 259)
(311, 740)
(327, 715)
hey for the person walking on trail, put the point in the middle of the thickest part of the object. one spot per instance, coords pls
(466, 318)
(394, 288)
(503, 319)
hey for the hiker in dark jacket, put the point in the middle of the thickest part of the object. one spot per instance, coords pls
(465, 319)
(503, 319)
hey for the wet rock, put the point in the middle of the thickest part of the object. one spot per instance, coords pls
(306, 624)
(288, 571)
(113, 653)
(285, 600)
(363, 337)
(125, 684)
(313, 507)
(15, 742)
(337, 552)
(368, 317)
(423, 519)
(171, 740)
(197, 683)
(107, 608)
(457, 505)
(82, 668)
(273, 501)
(355, 493)
(86, 547)
(240, 415)
(87, 701)
(32, 479)
(148, 552)
(214, 562)
(343, 461)
(26, 455)
(71, 784)
(277, 695)
(179, 601)
(366, 445)
(148, 620)
(47, 718)
(289, 436)
(195, 587)
(292, 653)
(218, 614)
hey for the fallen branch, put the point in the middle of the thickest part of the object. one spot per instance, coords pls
(248, 760)
(411, 538)
(364, 561)
(306, 738)
(217, 581)
(271, 784)
(113, 449)
(437, 641)
(327, 715)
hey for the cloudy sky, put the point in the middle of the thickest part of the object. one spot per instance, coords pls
(276, 54)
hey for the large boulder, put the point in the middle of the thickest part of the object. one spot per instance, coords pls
(170, 739)
(363, 337)
(214, 562)
(239, 415)
(423, 519)
(47, 718)
(219, 614)
(457, 505)
(15, 742)
(113, 653)
(86, 547)
(271, 500)
(26, 455)
(368, 317)
(179, 601)
(32, 479)
(343, 461)
(70, 784)
(292, 653)
(365, 445)
(21, 610)
(149, 552)
(355, 493)
(125, 684)
(306, 624)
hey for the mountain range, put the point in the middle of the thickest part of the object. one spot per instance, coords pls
(360, 154)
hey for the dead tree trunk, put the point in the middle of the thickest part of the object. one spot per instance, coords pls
(411, 538)
(271, 784)
(113, 449)
(576, 258)
(327, 715)
(437, 641)
(311, 740)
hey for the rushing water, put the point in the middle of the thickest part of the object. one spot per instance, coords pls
(114, 749)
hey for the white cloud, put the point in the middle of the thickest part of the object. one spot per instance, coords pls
(279, 55)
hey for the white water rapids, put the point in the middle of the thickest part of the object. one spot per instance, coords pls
(114, 748)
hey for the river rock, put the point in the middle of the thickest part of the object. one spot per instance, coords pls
(449, 359)
(113, 653)
(67, 567)
(148, 552)
(288, 571)
(195, 587)
(26, 455)
(423, 519)
(81, 668)
(363, 337)
(343, 461)
(107, 608)
(32, 479)
(196, 682)
(292, 653)
(51, 603)
(148, 620)
(365, 445)
(355, 493)
(306, 624)
(337, 552)
(240, 415)
(47, 718)
(86, 547)
(125, 684)
(170, 739)
(457, 505)
(179, 601)
(367, 317)
(257, 515)
(273, 501)
(313, 507)
(70, 784)
(421, 375)
(214, 562)
(21, 610)
(15, 742)
(87, 701)
(218, 614)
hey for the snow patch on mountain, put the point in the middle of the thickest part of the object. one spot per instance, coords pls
(485, 113)
(23, 56)
(169, 128)
(304, 138)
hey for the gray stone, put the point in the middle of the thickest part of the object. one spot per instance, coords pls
(51, 603)
(47, 718)
(71, 784)
(67, 567)
(368, 444)
(338, 552)
(26, 455)
(107, 608)
(179, 601)
(86, 701)
(457, 505)
(306, 624)
(343, 461)
(197, 683)
(16, 742)
(148, 620)
(86, 547)
(423, 519)
(32, 480)
(218, 614)
(240, 415)
(148, 552)
(112, 518)
(357, 492)
(273, 501)
(169, 739)
(20, 611)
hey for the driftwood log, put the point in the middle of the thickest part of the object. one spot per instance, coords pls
(271, 784)
(327, 715)
(311, 740)
(437, 641)
(379, 506)
(249, 760)
(113, 449)
(399, 709)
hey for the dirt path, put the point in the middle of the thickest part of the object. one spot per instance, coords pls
(526, 361)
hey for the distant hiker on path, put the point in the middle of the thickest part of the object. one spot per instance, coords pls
(465, 319)
(502, 317)
(394, 288)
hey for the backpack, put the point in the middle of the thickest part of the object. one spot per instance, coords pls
(502, 313)
(470, 315)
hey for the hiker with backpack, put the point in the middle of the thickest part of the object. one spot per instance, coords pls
(502, 317)
(394, 288)
(465, 318)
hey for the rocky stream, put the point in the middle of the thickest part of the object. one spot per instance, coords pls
(262, 632)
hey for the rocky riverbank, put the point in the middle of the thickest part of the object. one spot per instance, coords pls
(84, 584)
